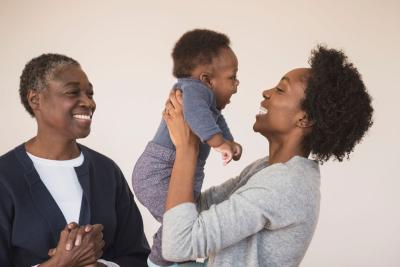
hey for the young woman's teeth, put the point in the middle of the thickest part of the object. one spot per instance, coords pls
(82, 117)
(263, 111)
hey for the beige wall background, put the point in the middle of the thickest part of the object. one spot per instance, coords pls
(124, 47)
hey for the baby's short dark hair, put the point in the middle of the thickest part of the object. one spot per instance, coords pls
(196, 47)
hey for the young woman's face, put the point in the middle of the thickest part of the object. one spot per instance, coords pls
(280, 111)
(66, 106)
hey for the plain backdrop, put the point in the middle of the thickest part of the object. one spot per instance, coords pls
(125, 47)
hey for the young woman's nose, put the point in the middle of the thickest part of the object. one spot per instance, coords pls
(267, 94)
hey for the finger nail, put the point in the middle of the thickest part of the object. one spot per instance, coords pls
(77, 242)
(68, 247)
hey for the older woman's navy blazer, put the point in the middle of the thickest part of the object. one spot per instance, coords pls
(31, 221)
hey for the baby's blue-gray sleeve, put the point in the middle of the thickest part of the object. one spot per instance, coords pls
(198, 113)
(224, 128)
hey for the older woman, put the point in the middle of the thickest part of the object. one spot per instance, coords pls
(51, 180)
(267, 215)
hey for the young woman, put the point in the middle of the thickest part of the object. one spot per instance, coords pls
(267, 215)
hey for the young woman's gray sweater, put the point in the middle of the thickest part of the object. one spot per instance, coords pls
(264, 217)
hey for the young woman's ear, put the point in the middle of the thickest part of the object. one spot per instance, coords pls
(205, 77)
(304, 121)
(33, 99)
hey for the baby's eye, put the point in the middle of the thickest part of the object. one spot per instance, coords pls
(279, 89)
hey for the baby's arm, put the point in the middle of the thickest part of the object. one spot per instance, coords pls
(199, 116)
(236, 147)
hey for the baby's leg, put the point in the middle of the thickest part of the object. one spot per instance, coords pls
(156, 254)
(153, 198)
(150, 178)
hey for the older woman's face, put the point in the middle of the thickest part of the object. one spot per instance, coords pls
(280, 111)
(66, 105)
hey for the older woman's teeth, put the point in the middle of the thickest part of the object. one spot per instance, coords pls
(263, 111)
(82, 117)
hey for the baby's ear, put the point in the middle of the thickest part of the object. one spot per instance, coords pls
(205, 77)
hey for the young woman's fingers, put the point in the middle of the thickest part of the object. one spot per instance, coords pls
(173, 100)
(179, 96)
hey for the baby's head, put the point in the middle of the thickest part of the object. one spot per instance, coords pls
(207, 56)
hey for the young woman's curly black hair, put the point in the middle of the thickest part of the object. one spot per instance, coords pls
(194, 48)
(338, 104)
(37, 73)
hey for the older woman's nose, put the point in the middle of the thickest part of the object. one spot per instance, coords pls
(87, 101)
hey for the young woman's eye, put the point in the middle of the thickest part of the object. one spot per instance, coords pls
(279, 89)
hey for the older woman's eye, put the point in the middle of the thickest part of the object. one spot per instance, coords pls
(74, 92)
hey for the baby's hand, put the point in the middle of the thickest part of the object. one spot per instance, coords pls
(227, 152)
(237, 151)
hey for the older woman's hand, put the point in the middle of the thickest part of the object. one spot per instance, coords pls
(87, 252)
(179, 131)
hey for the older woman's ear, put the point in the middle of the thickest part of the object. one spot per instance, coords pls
(33, 99)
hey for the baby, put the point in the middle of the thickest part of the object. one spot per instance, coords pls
(206, 69)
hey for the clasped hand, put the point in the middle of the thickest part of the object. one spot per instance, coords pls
(78, 246)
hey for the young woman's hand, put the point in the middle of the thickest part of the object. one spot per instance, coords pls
(179, 131)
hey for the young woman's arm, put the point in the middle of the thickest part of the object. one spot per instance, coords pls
(186, 144)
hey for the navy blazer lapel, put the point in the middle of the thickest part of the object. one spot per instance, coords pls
(83, 174)
(41, 197)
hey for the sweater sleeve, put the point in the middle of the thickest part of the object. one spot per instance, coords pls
(261, 204)
(198, 114)
(6, 211)
(130, 243)
(217, 194)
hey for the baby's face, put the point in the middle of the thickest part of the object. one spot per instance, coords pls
(224, 82)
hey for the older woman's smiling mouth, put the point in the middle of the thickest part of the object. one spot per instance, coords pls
(83, 116)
